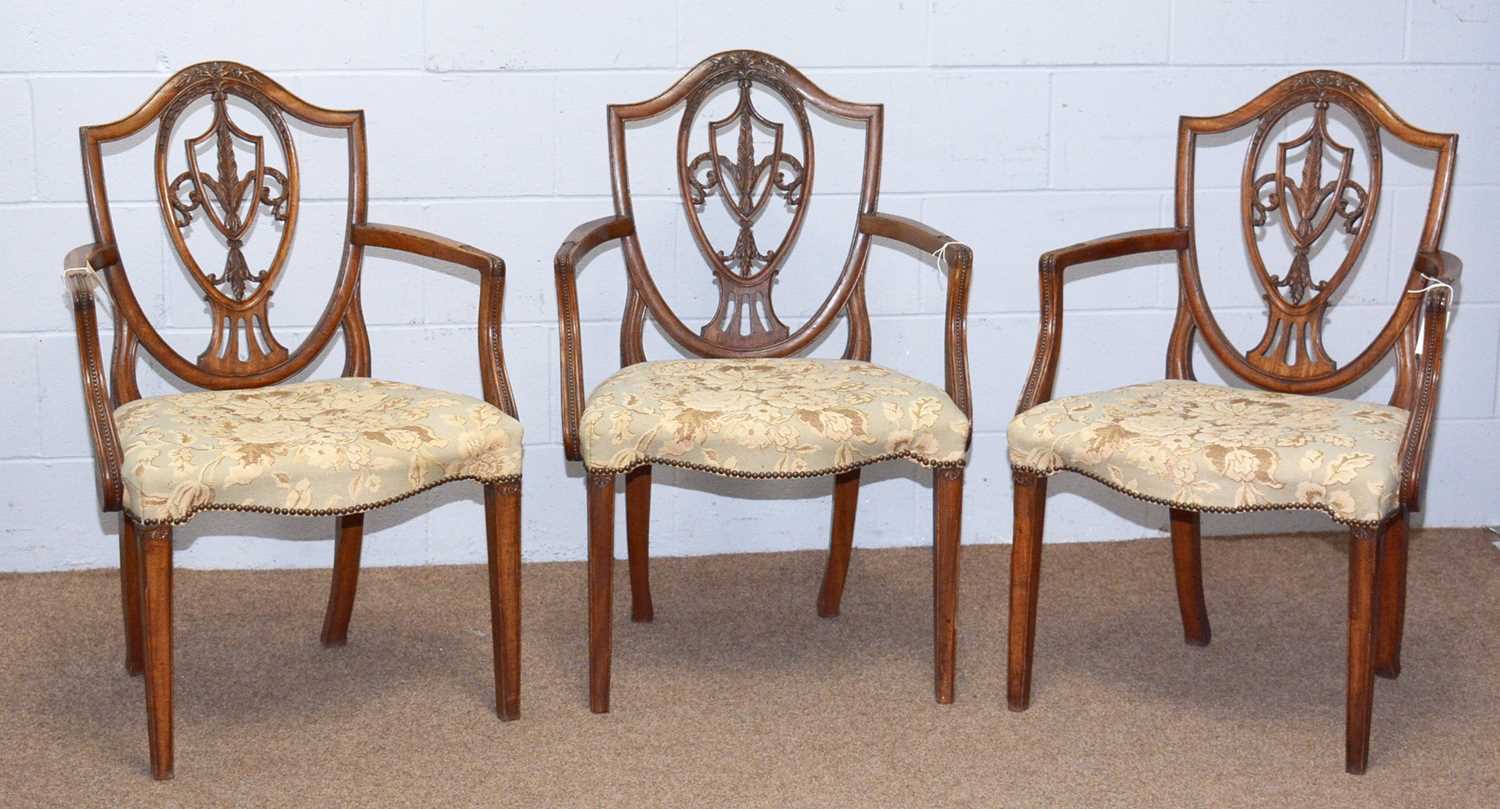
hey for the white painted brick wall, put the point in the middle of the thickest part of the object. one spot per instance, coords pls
(1016, 127)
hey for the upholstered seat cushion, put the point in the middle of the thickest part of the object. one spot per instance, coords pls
(1213, 448)
(327, 447)
(768, 418)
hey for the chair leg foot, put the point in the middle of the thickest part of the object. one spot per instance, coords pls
(1391, 613)
(1363, 554)
(130, 594)
(601, 515)
(638, 542)
(348, 538)
(1030, 502)
(1187, 565)
(840, 543)
(502, 520)
(156, 602)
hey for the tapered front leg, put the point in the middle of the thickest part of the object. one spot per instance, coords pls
(130, 594)
(1391, 618)
(156, 604)
(502, 521)
(840, 543)
(601, 489)
(1364, 550)
(947, 523)
(348, 538)
(1030, 502)
(1187, 565)
(638, 542)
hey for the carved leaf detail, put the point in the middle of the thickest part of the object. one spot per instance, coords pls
(1310, 205)
(745, 183)
(229, 198)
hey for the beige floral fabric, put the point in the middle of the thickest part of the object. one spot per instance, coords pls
(332, 446)
(768, 418)
(1213, 448)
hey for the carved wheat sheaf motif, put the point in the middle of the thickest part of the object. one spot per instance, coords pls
(221, 196)
(746, 183)
(230, 199)
(1309, 207)
(1307, 202)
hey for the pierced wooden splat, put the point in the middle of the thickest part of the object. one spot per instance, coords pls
(1309, 197)
(1306, 205)
(746, 184)
(1313, 203)
(228, 180)
(745, 323)
(224, 353)
(230, 201)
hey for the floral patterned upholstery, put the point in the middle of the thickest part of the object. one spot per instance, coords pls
(768, 418)
(1212, 448)
(328, 447)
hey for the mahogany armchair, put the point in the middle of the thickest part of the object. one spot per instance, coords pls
(747, 407)
(1280, 444)
(248, 442)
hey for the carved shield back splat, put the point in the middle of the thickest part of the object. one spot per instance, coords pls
(750, 162)
(231, 187)
(1306, 205)
(1311, 183)
(229, 201)
(746, 185)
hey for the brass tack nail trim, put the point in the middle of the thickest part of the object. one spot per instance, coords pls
(651, 460)
(506, 481)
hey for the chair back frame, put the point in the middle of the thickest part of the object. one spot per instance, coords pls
(745, 323)
(242, 351)
(1290, 356)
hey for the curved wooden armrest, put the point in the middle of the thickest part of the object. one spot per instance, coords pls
(960, 260)
(1436, 299)
(593, 233)
(108, 458)
(1051, 268)
(422, 243)
(1128, 243)
(1442, 265)
(907, 231)
(491, 269)
(584, 238)
(94, 255)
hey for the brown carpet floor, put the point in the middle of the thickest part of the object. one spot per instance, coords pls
(739, 695)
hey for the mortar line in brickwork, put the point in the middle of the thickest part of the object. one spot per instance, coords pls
(1406, 30)
(519, 73)
(1009, 314)
(1172, 30)
(1052, 152)
(376, 199)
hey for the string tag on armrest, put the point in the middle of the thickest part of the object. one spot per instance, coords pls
(941, 254)
(89, 275)
(1433, 283)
